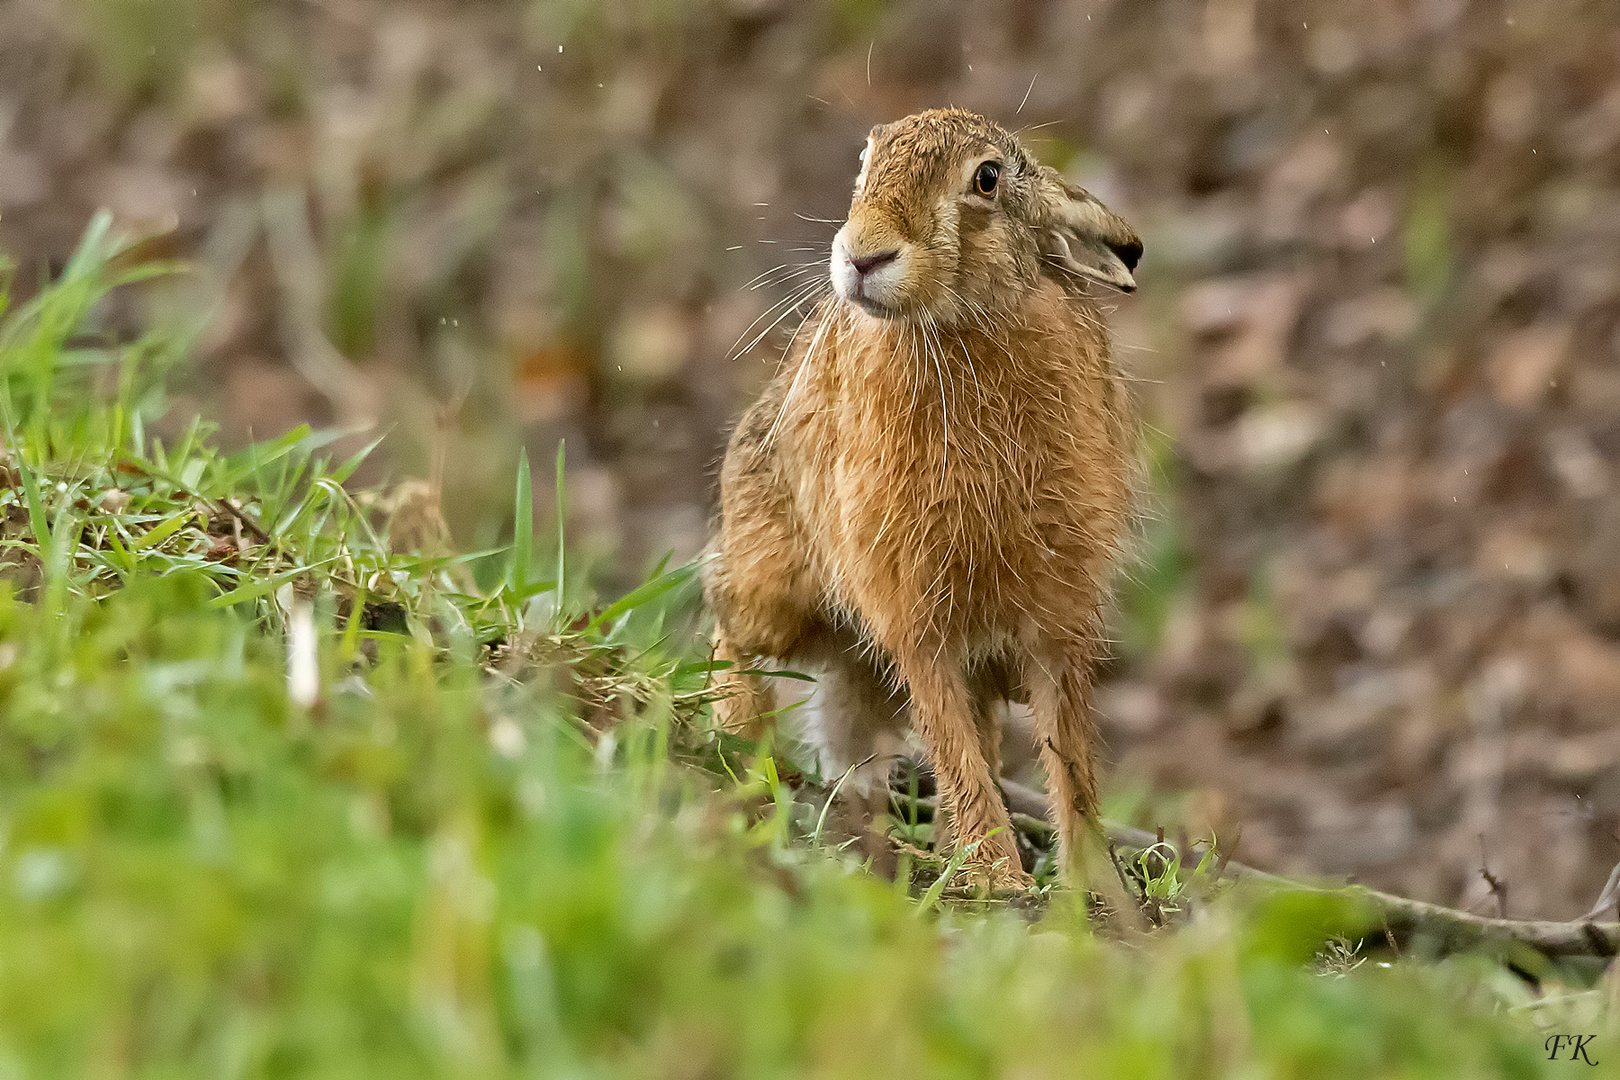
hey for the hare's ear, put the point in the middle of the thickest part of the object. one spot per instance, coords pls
(1082, 235)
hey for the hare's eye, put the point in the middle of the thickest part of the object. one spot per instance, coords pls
(984, 180)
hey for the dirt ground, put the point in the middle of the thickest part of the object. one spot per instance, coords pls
(1375, 620)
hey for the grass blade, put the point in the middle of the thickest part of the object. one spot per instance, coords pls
(36, 506)
(644, 593)
(253, 590)
(162, 531)
(562, 539)
(517, 575)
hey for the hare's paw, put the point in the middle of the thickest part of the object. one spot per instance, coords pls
(1002, 879)
(742, 707)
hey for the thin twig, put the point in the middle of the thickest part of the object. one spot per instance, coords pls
(1607, 898)
(1498, 886)
(247, 522)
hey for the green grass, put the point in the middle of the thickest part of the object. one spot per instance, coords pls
(496, 837)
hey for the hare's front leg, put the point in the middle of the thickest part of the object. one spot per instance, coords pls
(1066, 731)
(942, 713)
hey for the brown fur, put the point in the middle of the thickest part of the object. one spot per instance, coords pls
(926, 504)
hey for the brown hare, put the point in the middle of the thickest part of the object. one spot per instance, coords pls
(925, 506)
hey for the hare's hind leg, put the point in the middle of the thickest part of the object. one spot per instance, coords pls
(764, 609)
(1066, 732)
(991, 684)
(855, 721)
(760, 588)
(743, 703)
(758, 580)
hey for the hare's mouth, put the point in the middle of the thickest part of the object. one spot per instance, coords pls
(874, 308)
(871, 280)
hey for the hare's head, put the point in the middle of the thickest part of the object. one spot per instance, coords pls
(952, 218)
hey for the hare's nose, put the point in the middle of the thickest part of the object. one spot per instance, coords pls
(866, 265)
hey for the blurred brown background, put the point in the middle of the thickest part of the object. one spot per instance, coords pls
(1376, 617)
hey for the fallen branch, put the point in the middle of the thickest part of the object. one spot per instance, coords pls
(1443, 929)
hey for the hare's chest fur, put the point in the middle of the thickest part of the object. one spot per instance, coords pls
(963, 486)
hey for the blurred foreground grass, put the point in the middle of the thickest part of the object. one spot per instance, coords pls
(277, 799)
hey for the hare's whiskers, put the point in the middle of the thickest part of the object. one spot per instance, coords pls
(792, 277)
(1028, 92)
(786, 307)
(822, 313)
(787, 302)
(783, 272)
(967, 354)
(944, 409)
(914, 368)
(946, 358)
(1080, 311)
(765, 274)
(1037, 127)
(976, 312)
